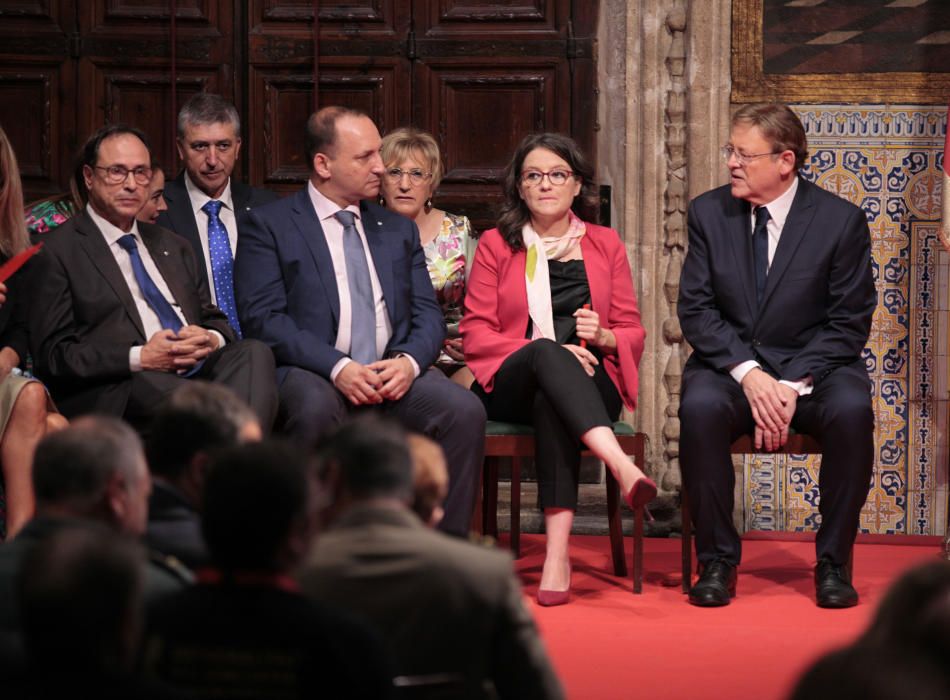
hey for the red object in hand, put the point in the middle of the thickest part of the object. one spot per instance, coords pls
(583, 341)
(17, 261)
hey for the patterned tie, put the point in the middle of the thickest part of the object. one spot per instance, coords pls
(166, 314)
(760, 251)
(222, 264)
(362, 304)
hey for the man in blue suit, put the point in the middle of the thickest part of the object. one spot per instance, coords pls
(776, 298)
(338, 288)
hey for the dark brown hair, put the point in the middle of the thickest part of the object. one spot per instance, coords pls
(779, 125)
(321, 128)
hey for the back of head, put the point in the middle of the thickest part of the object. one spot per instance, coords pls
(79, 595)
(207, 108)
(197, 417)
(430, 478)
(321, 129)
(13, 237)
(779, 125)
(73, 468)
(370, 459)
(254, 498)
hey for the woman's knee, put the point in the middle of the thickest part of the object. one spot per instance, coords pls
(30, 406)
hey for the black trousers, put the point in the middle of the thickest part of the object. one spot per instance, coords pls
(435, 406)
(544, 385)
(714, 412)
(246, 367)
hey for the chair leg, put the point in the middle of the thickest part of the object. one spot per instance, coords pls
(516, 507)
(615, 526)
(638, 550)
(490, 497)
(687, 543)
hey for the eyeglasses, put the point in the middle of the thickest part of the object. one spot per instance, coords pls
(416, 176)
(742, 159)
(532, 178)
(117, 174)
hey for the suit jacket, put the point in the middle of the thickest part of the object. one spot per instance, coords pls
(174, 526)
(84, 321)
(496, 306)
(180, 217)
(286, 286)
(442, 605)
(819, 296)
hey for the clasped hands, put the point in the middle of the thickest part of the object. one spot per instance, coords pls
(383, 380)
(167, 351)
(589, 329)
(773, 405)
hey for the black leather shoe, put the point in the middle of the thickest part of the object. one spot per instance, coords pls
(833, 587)
(716, 585)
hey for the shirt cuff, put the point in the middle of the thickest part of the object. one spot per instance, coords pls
(742, 369)
(221, 341)
(412, 361)
(338, 367)
(135, 358)
(802, 387)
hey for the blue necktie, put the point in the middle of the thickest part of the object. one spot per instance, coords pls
(362, 303)
(222, 264)
(166, 314)
(760, 251)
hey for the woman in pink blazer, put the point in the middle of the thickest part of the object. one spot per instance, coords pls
(552, 334)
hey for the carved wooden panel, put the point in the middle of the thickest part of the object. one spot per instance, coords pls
(354, 20)
(26, 116)
(499, 19)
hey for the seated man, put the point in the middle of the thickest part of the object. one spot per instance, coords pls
(195, 420)
(245, 630)
(92, 475)
(776, 299)
(120, 313)
(446, 608)
(339, 290)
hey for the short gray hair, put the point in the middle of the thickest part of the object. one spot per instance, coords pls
(208, 108)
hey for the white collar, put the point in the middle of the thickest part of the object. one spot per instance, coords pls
(110, 231)
(199, 198)
(326, 207)
(781, 205)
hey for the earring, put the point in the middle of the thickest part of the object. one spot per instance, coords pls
(428, 205)
(381, 200)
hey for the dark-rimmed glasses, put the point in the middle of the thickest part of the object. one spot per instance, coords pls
(558, 178)
(117, 174)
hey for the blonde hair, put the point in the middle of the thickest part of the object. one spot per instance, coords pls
(13, 236)
(409, 142)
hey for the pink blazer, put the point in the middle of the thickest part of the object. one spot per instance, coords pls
(496, 307)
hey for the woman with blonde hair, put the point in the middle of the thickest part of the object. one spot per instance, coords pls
(26, 411)
(413, 172)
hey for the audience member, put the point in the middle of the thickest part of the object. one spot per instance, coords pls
(90, 475)
(194, 421)
(155, 201)
(446, 608)
(430, 478)
(413, 172)
(126, 316)
(553, 334)
(245, 631)
(205, 205)
(339, 290)
(776, 299)
(26, 411)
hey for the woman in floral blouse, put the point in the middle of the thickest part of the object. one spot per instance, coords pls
(413, 171)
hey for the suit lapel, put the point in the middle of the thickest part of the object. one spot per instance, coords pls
(796, 224)
(375, 238)
(739, 232)
(169, 271)
(180, 211)
(310, 230)
(95, 246)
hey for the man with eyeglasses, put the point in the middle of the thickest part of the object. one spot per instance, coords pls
(776, 299)
(120, 314)
(338, 287)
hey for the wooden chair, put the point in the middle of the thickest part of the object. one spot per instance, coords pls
(517, 442)
(798, 443)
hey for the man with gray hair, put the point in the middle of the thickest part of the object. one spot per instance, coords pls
(204, 205)
(90, 475)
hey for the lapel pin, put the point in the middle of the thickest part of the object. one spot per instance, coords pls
(379, 223)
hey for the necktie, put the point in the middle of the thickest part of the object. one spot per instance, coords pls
(760, 251)
(362, 305)
(222, 264)
(166, 314)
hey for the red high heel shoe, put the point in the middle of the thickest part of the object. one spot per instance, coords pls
(642, 492)
(548, 598)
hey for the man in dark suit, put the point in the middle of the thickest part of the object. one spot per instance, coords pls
(205, 206)
(776, 299)
(339, 290)
(120, 314)
(449, 611)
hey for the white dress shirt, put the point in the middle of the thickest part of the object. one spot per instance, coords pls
(150, 321)
(778, 213)
(227, 216)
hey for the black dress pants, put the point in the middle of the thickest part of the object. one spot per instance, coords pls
(714, 412)
(544, 385)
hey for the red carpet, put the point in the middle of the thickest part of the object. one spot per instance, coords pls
(608, 643)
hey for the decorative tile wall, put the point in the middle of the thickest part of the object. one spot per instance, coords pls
(887, 160)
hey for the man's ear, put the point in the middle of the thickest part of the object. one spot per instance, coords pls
(786, 162)
(321, 166)
(116, 499)
(198, 468)
(181, 149)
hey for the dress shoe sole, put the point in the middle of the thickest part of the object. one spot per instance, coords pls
(712, 602)
(833, 602)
